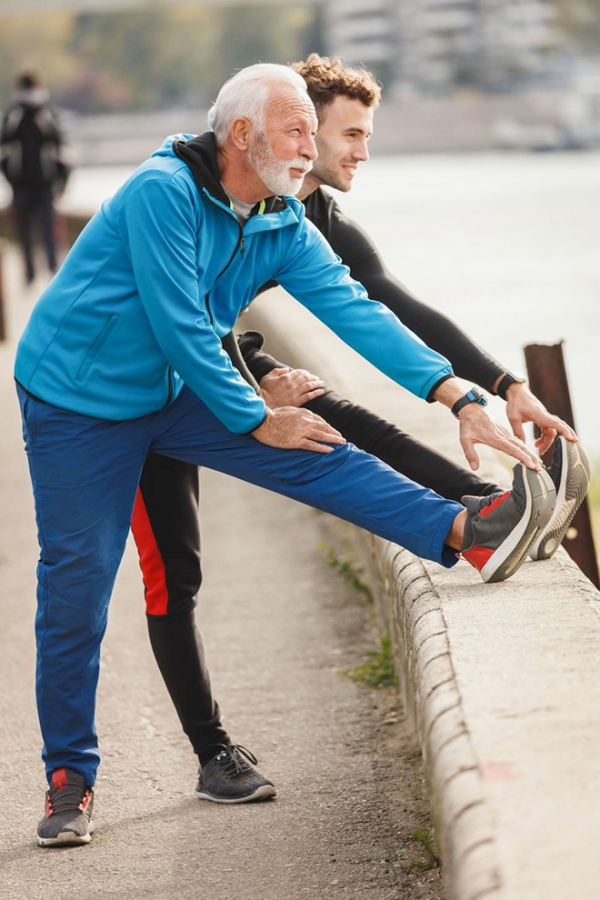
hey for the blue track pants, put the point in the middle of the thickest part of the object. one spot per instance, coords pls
(85, 472)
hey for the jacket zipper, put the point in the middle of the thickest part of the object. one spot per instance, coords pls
(239, 245)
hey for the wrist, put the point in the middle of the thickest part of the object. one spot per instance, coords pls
(507, 381)
(473, 398)
(515, 388)
(268, 415)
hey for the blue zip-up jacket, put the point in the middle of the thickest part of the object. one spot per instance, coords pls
(161, 273)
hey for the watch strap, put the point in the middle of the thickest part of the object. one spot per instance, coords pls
(473, 395)
(505, 382)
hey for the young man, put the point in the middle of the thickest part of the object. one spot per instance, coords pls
(165, 522)
(122, 356)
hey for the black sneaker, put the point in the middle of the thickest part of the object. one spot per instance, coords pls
(570, 472)
(68, 818)
(228, 778)
(501, 528)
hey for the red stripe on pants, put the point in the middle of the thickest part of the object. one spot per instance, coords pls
(151, 562)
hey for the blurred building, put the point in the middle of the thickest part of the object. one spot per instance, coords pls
(434, 46)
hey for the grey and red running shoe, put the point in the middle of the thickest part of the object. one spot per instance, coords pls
(501, 528)
(570, 472)
(68, 818)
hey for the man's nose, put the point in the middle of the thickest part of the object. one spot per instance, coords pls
(361, 151)
(308, 148)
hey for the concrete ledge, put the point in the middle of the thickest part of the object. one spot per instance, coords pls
(500, 680)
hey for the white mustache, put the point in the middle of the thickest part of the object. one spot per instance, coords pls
(301, 164)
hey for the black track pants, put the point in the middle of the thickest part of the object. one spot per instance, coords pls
(166, 531)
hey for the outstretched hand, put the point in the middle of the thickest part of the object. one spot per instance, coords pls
(477, 427)
(289, 387)
(522, 406)
(290, 428)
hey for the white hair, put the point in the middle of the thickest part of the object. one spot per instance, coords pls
(246, 94)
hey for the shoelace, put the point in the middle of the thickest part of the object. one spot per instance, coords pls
(68, 797)
(231, 759)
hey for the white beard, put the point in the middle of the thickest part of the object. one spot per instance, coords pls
(276, 172)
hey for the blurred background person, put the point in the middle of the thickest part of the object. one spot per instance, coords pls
(30, 157)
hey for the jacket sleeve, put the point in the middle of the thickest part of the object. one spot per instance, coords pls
(315, 276)
(159, 227)
(356, 249)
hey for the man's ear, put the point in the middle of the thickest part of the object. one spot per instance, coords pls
(241, 132)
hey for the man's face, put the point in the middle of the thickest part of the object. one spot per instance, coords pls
(344, 129)
(283, 154)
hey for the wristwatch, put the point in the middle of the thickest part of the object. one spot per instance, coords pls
(505, 382)
(472, 396)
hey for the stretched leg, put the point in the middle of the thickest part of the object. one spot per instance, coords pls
(84, 484)
(166, 530)
(375, 435)
(398, 449)
(345, 482)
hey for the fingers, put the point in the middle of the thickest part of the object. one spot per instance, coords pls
(322, 430)
(517, 427)
(311, 395)
(564, 429)
(527, 458)
(315, 447)
(516, 448)
(545, 440)
(470, 453)
(290, 387)
(481, 429)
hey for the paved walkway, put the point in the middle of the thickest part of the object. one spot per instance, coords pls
(279, 626)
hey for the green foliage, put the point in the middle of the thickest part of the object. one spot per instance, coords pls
(426, 838)
(346, 569)
(148, 59)
(379, 669)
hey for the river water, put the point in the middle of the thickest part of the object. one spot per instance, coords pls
(507, 244)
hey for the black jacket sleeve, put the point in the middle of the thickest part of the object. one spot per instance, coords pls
(438, 331)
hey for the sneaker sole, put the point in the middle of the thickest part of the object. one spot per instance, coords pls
(540, 501)
(67, 837)
(265, 792)
(574, 483)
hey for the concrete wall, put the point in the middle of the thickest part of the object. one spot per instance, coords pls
(501, 680)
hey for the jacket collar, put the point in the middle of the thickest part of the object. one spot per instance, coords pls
(200, 155)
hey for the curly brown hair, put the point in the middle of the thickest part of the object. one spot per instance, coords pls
(327, 77)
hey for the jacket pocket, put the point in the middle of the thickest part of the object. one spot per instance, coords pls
(96, 347)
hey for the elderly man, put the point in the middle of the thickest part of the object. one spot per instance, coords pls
(122, 356)
(165, 521)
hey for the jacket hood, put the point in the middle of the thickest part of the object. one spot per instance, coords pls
(200, 155)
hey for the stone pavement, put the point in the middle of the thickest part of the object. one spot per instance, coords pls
(503, 679)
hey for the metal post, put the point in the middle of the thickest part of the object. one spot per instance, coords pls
(548, 381)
